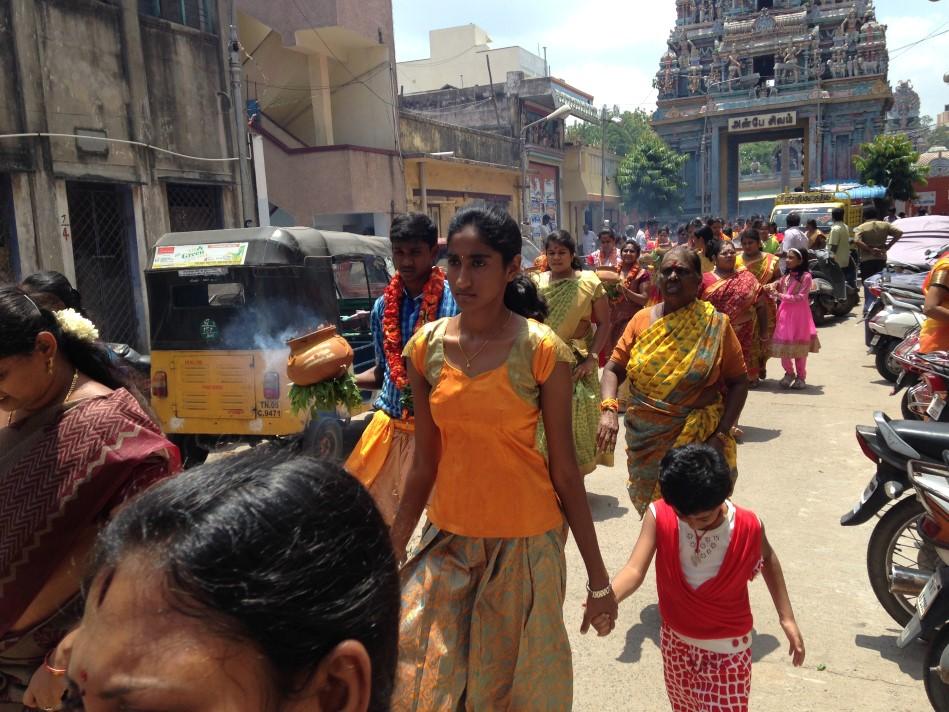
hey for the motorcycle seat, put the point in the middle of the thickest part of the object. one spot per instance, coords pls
(929, 439)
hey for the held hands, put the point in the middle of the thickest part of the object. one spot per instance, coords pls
(796, 641)
(601, 613)
(48, 684)
(606, 431)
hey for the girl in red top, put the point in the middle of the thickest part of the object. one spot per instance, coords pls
(707, 550)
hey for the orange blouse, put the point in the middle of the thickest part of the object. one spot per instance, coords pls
(491, 481)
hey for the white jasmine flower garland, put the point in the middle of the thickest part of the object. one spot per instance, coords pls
(76, 325)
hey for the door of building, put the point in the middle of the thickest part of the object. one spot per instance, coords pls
(8, 252)
(105, 254)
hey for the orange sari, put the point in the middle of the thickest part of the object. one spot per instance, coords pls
(766, 269)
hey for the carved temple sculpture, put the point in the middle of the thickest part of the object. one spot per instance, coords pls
(823, 62)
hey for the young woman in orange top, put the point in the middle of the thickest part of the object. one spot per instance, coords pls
(482, 597)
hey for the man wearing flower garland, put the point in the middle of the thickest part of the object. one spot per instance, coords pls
(416, 295)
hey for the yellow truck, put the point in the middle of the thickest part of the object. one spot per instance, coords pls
(816, 205)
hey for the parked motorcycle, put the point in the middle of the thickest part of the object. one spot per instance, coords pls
(902, 282)
(891, 445)
(931, 610)
(925, 378)
(889, 327)
(830, 293)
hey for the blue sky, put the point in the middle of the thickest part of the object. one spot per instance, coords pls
(611, 48)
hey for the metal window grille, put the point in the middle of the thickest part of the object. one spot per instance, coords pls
(199, 14)
(194, 207)
(99, 216)
(7, 265)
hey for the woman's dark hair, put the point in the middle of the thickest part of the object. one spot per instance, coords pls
(500, 232)
(728, 231)
(565, 240)
(712, 248)
(410, 227)
(805, 262)
(750, 233)
(812, 223)
(22, 319)
(694, 479)
(286, 553)
(50, 289)
(689, 255)
(606, 232)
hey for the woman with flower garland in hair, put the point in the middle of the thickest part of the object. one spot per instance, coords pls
(580, 315)
(482, 596)
(74, 445)
(418, 294)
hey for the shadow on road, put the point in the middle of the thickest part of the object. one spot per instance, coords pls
(771, 386)
(758, 435)
(646, 629)
(604, 506)
(910, 660)
(763, 645)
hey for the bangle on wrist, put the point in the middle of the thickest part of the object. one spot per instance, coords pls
(610, 404)
(720, 435)
(602, 593)
(54, 671)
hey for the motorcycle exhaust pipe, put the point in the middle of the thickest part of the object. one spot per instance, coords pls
(908, 582)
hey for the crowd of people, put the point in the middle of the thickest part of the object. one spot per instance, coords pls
(295, 577)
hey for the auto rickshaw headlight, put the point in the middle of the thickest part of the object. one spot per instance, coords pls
(160, 385)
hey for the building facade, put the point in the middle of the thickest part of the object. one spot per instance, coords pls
(508, 109)
(462, 57)
(740, 71)
(115, 129)
(582, 170)
(320, 79)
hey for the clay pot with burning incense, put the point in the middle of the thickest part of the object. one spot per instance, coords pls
(321, 355)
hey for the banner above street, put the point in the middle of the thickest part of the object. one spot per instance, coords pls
(762, 122)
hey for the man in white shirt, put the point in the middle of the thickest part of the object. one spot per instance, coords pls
(589, 241)
(794, 238)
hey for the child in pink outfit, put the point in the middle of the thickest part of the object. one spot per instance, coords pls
(795, 335)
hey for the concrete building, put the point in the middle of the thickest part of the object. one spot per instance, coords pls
(320, 87)
(582, 169)
(448, 167)
(461, 57)
(933, 194)
(508, 109)
(942, 118)
(129, 135)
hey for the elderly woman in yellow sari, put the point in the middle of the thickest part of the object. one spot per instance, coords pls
(688, 382)
(764, 267)
(580, 315)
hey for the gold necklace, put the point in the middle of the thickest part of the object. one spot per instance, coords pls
(72, 389)
(477, 353)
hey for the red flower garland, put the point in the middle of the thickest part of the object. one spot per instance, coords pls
(392, 344)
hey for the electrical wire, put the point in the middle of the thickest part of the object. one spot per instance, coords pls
(116, 140)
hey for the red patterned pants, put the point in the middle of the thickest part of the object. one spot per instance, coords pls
(699, 680)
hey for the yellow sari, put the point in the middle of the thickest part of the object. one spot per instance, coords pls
(571, 317)
(673, 370)
(934, 336)
(765, 269)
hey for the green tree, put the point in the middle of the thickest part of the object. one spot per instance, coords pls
(760, 152)
(889, 160)
(620, 136)
(939, 136)
(650, 176)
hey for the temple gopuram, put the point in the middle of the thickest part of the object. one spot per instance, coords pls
(740, 71)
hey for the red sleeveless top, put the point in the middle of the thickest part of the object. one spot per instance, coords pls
(719, 608)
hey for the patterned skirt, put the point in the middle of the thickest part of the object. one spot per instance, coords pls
(482, 625)
(699, 680)
(586, 420)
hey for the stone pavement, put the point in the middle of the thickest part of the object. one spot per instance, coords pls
(800, 469)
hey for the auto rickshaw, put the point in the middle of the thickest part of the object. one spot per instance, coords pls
(223, 304)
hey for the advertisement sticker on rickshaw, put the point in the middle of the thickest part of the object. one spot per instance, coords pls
(225, 254)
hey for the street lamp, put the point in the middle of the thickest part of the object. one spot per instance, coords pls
(525, 192)
(604, 119)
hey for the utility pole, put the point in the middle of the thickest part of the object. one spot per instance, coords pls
(603, 167)
(240, 125)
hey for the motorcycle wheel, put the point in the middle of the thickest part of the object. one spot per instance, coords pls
(936, 690)
(886, 366)
(818, 312)
(894, 540)
(323, 439)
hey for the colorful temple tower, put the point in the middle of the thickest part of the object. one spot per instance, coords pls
(739, 71)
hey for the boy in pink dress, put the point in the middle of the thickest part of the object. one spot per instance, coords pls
(707, 550)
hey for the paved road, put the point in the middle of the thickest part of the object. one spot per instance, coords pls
(800, 469)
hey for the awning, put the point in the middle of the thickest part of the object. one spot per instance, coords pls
(579, 107)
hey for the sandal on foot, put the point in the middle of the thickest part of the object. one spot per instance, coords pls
(786, 381)
(798, 385)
